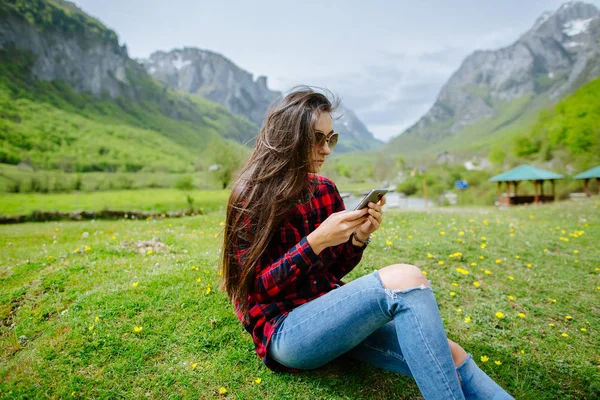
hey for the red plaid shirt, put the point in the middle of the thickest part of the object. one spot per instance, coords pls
(290, 273)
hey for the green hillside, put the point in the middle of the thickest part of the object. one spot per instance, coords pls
(568, 132)
(50, 126)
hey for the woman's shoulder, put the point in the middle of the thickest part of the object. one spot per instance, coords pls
(321, 181)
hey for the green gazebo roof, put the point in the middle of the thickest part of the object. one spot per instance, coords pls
(590, 173)
(525, 172)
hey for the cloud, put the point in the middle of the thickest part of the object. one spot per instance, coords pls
(394, 89)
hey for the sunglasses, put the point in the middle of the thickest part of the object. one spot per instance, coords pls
(321, 139)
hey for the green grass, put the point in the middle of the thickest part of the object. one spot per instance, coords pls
(55, 281)
(159, 200)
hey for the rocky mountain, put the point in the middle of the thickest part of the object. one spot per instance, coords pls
(496, 89)
(60, 63)
(215, 77)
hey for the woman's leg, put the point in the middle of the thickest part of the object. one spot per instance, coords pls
(329, 326)
(382, 350)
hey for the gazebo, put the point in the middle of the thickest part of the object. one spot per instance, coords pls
(586, 176)
(525, 172)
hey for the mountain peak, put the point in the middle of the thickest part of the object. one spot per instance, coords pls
(570, 19)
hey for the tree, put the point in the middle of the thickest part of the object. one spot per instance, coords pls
(227, 159)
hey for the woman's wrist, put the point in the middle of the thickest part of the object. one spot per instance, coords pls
(314, 242)
(358, 241)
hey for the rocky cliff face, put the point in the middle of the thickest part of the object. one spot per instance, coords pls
(213, 76)
(558, 54)
(65, 48)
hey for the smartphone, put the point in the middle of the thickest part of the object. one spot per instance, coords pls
(374, 195)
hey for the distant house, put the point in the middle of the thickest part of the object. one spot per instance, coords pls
(214, 167)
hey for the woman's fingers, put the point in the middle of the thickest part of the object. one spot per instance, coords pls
(376, 214)
(353, 215)
(374, 221)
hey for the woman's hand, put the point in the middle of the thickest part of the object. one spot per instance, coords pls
(375, 218)
(336, 229)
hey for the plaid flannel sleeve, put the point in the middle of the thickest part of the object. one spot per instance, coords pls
(274, 277)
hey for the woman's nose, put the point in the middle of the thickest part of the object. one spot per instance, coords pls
(325, 149)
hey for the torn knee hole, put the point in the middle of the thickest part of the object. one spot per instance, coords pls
(393, 293)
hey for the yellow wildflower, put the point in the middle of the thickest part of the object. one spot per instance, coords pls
(461, 233)
(483, 238)
(498, 261)
(522, 315)
(454, 284)
(459, 310)
(510, 297)
(484, 358)
(442, 233)
(476, 284)
(91, 327)
(388, 243)
(468, 319)
(258, 380)
(483, 245)
(498, 362)
(568, 317)
(551, 324)
(512, 278)
(410, 236)
(429, 255)
(222, 390)
(499, 314)
(424, 272)
(194, 365)
(135, 284)
(528, 265)
(576, 251)
(441, 262)
(199, 280)
(97, 319)
(452, 294)
(522, 351)
(149, 251)
(487, 272)
(137, 329)
(583, 329)
(564, 334)
(207, 290)
(473, 264)
(481, 257)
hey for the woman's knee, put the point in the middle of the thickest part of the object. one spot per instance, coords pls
(402, 276)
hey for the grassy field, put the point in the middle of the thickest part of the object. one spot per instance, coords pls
(159, 200)
(81, 316)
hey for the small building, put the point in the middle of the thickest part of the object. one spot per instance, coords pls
(587, 176)
(521, 173)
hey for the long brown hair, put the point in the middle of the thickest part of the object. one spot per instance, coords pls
(273, 179)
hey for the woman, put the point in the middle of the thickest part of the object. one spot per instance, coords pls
(288, 243)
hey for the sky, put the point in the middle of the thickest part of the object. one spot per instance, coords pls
(386, 60)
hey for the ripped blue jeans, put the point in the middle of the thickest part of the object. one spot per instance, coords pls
(397, 330)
